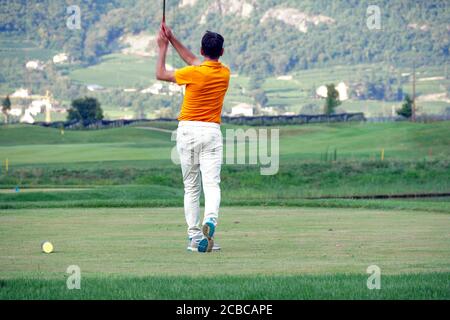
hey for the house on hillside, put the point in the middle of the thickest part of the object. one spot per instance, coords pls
(342, 88)
(35, 65)
(269, 111)
(242, 109)
(94, 87)
(285, 78)
(60, 58)
(155, 88)
(16, 112)
(21, 93)
(175, 89)
(37, 106)
(27, 117)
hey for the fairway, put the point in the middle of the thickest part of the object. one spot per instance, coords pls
(266, 243)
(111, 202)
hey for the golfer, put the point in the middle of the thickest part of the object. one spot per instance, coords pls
(199, 139)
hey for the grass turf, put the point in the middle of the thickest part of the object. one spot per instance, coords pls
(307, 254)
(313, 249)
(401, 141)
(337, 286)
(416, 162)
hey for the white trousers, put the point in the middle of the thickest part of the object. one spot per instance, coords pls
(200, 147)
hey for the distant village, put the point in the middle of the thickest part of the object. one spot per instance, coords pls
(26, 106)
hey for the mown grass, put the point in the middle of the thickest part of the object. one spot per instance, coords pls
(425, 205)
(339, 286)
(267, 253)
(400, 141)
(294, 180)
(255, 240)
(132, 167)
(123, 222)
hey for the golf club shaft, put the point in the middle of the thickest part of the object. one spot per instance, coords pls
(164, 11)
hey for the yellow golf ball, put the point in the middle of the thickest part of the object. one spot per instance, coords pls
(47, 247)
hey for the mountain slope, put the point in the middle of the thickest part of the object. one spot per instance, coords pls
(264, 36)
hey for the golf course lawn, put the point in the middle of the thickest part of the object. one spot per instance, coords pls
(111, 202)
(268, 253)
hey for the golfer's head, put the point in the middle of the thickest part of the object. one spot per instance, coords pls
(212, 45)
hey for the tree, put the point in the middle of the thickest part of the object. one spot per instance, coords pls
(332, 100)
(256, 81)
(6, 107)
(86, 110)
(260, 98)
(406, 109)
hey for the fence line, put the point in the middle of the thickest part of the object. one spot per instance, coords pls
(251, 121)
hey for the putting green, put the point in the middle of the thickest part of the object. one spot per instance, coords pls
(255, 240)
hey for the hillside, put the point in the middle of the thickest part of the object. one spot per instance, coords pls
(304, 34)
(286, 48)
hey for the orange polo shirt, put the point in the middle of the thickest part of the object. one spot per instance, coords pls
(206, 86)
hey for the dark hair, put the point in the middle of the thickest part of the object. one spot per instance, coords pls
(212, 44)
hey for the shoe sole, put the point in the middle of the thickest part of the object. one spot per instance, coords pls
(205, 245)
(208, 230)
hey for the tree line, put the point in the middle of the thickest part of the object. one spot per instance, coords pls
(250, 44)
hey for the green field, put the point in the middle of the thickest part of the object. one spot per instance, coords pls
(119, 71)
(23, 50)
(111, 202)
(139, 158)
(140, 253)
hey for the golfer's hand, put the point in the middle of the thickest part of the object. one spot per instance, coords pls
(167, 31)
(162, 40)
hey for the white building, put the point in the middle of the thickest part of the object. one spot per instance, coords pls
(175, 89)
(343, 91)
(21, 93)
(60, 58)
(156, 88)
(37, 106)
(342, 88)
(242, 109)
(269, 111)
(34, 65)
(16, 112)
(27, 117)
(322, 91)
(185, 3)
(94, 87)
(285, 78)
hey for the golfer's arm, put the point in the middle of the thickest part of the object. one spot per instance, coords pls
(184, 52)
(161, 72)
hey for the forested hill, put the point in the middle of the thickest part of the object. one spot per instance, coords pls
(266, 36)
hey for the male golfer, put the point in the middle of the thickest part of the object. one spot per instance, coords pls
(199, 139)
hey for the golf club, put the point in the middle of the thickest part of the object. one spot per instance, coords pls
(164, 11)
